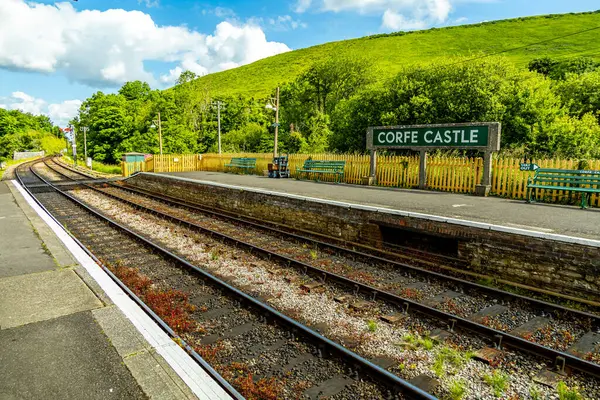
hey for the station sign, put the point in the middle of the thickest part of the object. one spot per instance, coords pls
(483, 136)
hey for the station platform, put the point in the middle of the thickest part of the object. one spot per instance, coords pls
(542, 220)
(67, 331)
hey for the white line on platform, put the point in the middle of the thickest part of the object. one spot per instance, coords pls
(201, 384)
(430, 217)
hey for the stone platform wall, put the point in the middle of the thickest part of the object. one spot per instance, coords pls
(548, 264)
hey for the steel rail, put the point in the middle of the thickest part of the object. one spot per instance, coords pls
(457, 322)
(499, 293)
(407, 304)
(370, 368)
(203, 364)
(452, 268)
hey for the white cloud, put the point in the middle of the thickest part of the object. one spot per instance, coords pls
(396, 14)
(285, 23)
(107, 48)
(149, 3)
(59, 113)
(396, 21)
(302, 5)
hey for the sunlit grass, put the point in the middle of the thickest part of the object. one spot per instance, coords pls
(390, 53)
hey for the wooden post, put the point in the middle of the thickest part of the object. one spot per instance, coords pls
(423, 169)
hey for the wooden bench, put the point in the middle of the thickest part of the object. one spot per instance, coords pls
(568, 180)
(319, 167)
(241, 163)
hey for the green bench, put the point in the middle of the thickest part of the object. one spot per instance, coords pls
(568, 180)
(319, 167)
(241, 163)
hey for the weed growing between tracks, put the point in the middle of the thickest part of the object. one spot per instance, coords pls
(282, 287)
(172, 306)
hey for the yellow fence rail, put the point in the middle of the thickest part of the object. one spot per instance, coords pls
(448, 174)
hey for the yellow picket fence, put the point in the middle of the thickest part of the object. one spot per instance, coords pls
(448, 174)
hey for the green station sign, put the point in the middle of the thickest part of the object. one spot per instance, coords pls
(465, 136)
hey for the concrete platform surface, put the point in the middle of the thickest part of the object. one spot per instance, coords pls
(61, 335)
(21, 250)
(546, 218)
(63, 358)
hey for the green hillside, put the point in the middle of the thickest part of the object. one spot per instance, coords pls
(390, 52)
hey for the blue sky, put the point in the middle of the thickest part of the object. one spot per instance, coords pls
(53, 54)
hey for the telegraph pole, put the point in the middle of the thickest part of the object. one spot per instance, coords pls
(159, 134)
(74, 136)
(84, 129)
(276, 123)
(219, 104)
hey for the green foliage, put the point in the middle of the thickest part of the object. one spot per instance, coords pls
(327, 102)
(560, 69)
(426, 343)
(581, 94)
(457, 389)
(535, 393)
(372, 326)
(498, 381)
(51, 144)
(21, 131)
(565, 393)
(449, 360)
(571, 137)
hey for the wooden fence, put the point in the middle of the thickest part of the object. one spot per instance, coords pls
(448, 174)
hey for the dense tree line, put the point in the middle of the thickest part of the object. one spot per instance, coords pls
(551, 109)
(21, 131)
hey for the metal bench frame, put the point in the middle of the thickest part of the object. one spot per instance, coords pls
(322, 167)
(568, 180)
(241, 162)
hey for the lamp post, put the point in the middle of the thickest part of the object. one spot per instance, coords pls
(276, 124)
(84, 129)
(219, 105)
(154, 124)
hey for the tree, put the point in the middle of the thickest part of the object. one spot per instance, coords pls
(136, 90)
(185, 77)
(581, 94)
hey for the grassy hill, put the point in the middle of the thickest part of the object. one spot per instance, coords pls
(390, 52)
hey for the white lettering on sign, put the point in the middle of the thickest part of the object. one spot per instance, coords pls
(438, 138)
(428, 138)
(389, 137)
(414, 136)
(474, 133)
(379, 137)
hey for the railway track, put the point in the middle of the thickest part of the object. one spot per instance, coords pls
(286, 355)
(574, 352)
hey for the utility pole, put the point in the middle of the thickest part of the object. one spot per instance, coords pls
(276, 123)
(219, 105)
(159, 134)
(74, 136)
(84, 129)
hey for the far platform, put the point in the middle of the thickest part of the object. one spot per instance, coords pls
(539, 217)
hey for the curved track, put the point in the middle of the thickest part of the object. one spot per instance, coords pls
(318, 359)
(407, 282)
